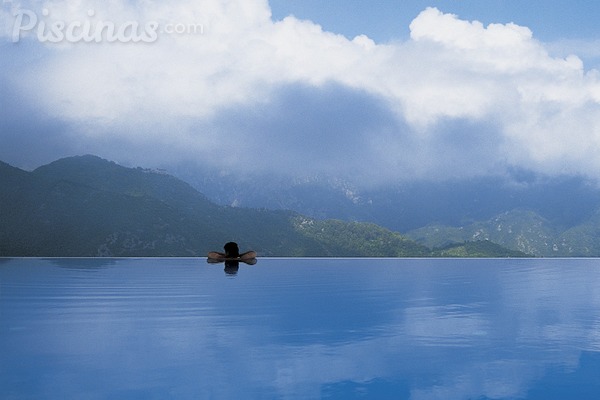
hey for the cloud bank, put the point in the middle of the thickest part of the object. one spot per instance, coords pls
(247, 93)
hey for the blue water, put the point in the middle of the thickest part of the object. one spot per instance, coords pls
(300, 329)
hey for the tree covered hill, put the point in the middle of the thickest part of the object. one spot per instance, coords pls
(480, 248)
(521, 230)
(87, 206)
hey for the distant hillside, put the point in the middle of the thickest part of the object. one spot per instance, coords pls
(87, 206)
(481, 248)
(537, 215)
(520, 230)
(564, 202)
(355, 238)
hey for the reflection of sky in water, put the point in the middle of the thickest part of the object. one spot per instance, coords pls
(418, 329)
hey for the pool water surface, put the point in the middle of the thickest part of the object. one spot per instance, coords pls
(300, 329)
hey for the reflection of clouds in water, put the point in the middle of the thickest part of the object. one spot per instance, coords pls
(452, 325)
(548, 317)
(555, 307)
(541, 318)
(496, 380)
(450, 333)
(594, 336)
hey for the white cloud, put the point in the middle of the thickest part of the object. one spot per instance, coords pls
(524, 107)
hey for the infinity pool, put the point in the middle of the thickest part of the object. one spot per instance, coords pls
(300, 329)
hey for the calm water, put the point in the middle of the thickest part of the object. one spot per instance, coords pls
(299, 329)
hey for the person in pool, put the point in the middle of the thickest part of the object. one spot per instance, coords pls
(232, 251)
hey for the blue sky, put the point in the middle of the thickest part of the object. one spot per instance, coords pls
(371, 92)
(385, 20)
(565, 26)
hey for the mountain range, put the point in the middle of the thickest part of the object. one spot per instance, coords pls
(540, 216)
(88, 206)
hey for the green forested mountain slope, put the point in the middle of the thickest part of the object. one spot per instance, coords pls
(521, 230)
(481, 248)
(87, 206)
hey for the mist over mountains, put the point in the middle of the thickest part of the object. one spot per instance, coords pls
(537, 215)
(88, 206)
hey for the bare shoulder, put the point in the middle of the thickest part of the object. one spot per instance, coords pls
(248, 255)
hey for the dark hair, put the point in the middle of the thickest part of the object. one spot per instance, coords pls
(232, 250)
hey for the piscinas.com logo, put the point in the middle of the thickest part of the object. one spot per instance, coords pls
(92, 30)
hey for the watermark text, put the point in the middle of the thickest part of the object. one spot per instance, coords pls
(90, 30)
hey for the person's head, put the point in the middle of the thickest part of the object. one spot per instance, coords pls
(231, 250)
